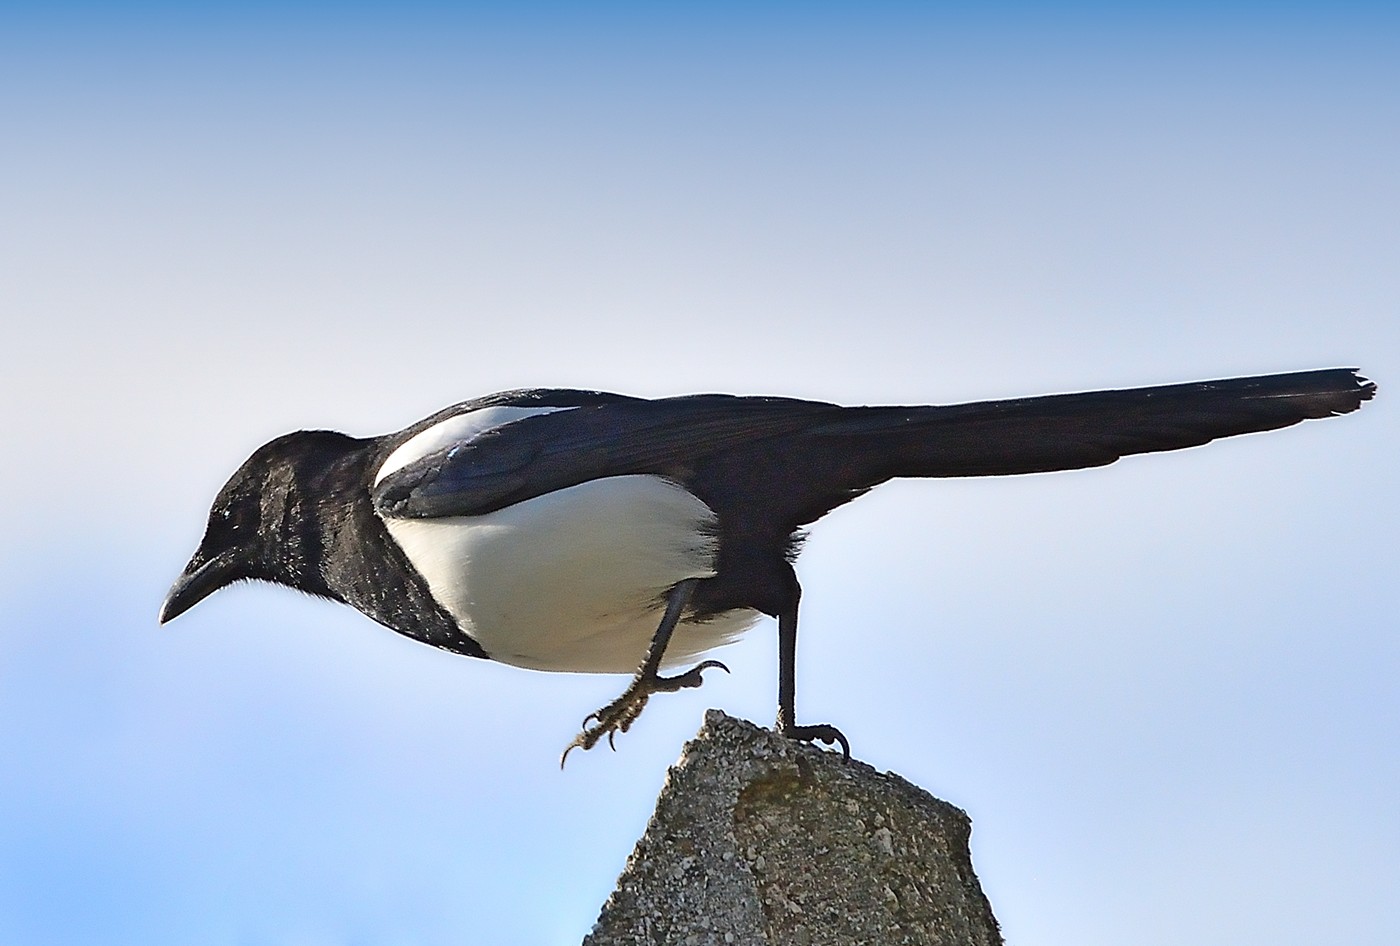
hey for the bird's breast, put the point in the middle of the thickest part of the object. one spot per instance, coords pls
(575, 579)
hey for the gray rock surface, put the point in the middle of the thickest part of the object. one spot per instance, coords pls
(758, 840)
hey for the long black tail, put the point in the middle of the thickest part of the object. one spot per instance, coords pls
(1071, 431)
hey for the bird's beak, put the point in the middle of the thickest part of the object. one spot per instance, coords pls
(199, 580)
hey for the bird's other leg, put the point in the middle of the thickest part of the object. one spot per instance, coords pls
(618, 715)
(787, 682)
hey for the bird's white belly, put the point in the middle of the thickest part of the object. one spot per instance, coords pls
(575, 579)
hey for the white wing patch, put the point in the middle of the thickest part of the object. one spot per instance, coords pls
(461, 428)
(574, 579)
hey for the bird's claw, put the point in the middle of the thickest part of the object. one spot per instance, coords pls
(821, 732)
(619, 715)
(616, 717)
(691, 678)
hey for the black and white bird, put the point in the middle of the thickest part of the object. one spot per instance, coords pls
(599, 533)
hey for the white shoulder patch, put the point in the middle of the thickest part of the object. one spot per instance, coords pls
(461, 428)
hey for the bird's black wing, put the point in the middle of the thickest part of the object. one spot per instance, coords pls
(587, 441)
(808, 457)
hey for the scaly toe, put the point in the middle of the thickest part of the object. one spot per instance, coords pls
(616, 717)
(691, 678)
(820, 732)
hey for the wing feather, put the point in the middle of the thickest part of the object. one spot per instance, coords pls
(811, 455)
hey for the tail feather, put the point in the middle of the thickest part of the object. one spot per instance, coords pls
(1072, 431)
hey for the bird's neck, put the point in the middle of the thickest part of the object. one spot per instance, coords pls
(304, 508)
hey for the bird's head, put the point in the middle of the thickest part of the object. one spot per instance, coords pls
(261, 526)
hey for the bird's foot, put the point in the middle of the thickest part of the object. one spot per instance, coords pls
(821, 732)
(619, 715)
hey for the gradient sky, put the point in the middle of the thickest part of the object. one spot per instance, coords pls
(1165, 691)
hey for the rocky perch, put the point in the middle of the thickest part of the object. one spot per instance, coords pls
(759, 840)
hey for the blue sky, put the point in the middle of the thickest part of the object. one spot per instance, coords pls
(1165, 691)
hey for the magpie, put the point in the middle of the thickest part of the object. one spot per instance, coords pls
(582, 531)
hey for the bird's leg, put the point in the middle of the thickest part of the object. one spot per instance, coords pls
(787, 685)
(618, 715)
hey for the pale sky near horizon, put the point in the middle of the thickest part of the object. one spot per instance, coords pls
(1165, 691)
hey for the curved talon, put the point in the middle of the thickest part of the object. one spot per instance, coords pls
(845, 746)
(820, 732)
(616, 717)
(619, 715)
(691, 678)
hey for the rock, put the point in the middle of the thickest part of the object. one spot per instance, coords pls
(762, 841)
